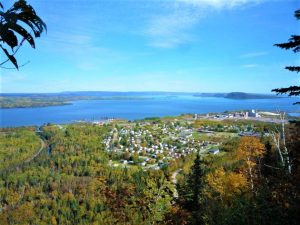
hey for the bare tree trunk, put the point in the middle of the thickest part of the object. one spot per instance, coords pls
(278, 137)
(251, 175)
(276, 141)
(285, 150)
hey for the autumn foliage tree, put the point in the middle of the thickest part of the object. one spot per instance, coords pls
(250, 151)
(226, 185)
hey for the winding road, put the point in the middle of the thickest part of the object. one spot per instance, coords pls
(26, 161)
(37, 153)
(18, 166)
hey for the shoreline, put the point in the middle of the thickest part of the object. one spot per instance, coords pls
(272, 118)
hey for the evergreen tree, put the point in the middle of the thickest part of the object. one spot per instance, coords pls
(193, 191)
(294, 44)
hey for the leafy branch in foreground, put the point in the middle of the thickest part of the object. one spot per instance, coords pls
(10, 27)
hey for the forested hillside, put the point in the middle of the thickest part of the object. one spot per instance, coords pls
(74, 181)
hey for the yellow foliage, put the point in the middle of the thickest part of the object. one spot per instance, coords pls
(53, 220)
(68, 196)
(250, 148)
(226, 184)
(23, 214)
(12, 197)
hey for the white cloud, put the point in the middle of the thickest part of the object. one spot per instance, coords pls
(250, 66)
(253, 54)
(219, 3)
(171, 30)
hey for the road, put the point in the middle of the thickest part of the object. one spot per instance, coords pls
(20, 165)
(26, 161)
(37, 153)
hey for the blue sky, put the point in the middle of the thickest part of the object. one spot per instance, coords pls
(158, 45)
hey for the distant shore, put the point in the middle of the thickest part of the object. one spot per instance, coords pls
(11, 102)
(19, 100)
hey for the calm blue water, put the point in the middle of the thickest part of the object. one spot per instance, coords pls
(155, 106)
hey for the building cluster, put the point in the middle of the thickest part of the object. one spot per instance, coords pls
(211, 129)
(153, 145)
(231, 115)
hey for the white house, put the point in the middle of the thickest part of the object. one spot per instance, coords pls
(214, 151)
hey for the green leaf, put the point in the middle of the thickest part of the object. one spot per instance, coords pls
(29, 14)
(9, 37)
(11, 58)
(23, 33)
(20, 5)
(34, 22)
(35, 30)
(10, 17)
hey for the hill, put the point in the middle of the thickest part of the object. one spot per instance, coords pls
(237, 95)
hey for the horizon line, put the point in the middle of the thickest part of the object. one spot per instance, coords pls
(178, 92)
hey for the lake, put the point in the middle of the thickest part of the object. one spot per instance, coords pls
(131, 109)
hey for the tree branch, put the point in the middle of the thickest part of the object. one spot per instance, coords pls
(14, 68)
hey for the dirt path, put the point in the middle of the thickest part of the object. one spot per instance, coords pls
(174, 181)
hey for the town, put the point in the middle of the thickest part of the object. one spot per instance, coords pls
(154, 143)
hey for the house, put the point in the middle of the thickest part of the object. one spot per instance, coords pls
(143, 164)
(185, 133)
(205, 131)
(123, 161)
(249, 134)
(214, 151)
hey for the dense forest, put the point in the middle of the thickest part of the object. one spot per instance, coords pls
(74, 185)
(72, 181)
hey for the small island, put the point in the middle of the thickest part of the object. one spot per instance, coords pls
(237, 95)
